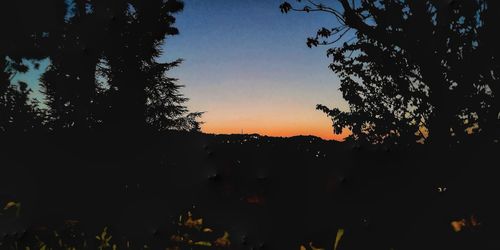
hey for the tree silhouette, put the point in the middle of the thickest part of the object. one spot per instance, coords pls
(165, 109)
(104, 69)
(27, 26)
(70, 82)
(19, 112)
(413, 70)
(136, 32)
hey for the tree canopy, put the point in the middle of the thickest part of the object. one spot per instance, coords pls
(412, 70)
(105, 70)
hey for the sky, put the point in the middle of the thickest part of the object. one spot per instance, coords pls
(248, 67)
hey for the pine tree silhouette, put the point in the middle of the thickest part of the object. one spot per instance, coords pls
(104, 70)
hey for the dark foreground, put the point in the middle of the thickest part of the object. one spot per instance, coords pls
(251, 192)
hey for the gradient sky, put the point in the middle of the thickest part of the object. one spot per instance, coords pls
(248, 67)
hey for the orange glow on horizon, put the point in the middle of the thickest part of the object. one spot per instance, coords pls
(324, 132)
(260, 107)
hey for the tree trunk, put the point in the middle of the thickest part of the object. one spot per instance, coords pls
(440, 98)
(4, 84)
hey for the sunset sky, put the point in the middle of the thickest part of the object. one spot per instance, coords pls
(248, 67)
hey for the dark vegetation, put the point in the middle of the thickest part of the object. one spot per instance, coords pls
(104, 72)
(276, 192)
(112, 158)
(411, 71)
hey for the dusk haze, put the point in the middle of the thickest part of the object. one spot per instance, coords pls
(247, 65)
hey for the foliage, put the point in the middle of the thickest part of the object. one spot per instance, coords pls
(18, 112)
(104, 70)
(191, 233)
(165, 108)
(25, 24)
(413, 70)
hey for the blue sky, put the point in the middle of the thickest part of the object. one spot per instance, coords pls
(247, 65)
